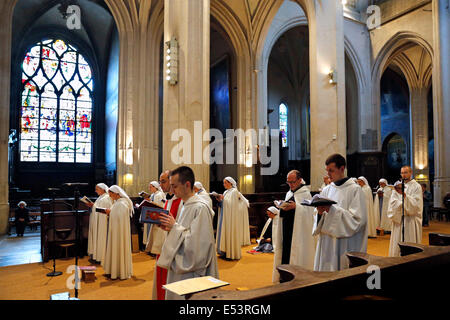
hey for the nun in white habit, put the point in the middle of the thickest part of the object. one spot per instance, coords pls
(98, 224)
(381, 204)
(233, 229)
(118, 260)
(154, 237)
(372, 222)
(201, 192)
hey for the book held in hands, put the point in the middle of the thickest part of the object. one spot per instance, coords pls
(86, 200)
(150, 212)
(317, 201)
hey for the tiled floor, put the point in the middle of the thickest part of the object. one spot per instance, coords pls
(15, 250)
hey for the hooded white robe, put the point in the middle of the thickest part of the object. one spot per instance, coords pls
(385, 222)
(104, 201)
(371, 219)
(230, 225)
(413, 217)
(188, 251)
(342, 229)
(156, 236)
(205, 195)
(118, 259)
(303, 247)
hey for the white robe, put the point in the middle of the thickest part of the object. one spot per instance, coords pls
(413, 217)
(342, 229)
(205, 195)
(371, 219)
(168, 207)
(230, 226)
(303, 247)
(385, 222)
(98, 228)
(155, 236)
(118, 259)
(188, 251)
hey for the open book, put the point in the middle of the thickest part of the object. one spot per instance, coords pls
(101, 210)
(144, 194)
(86, 200)
(318, 200)
(214, 194)
(193, 285)
(280, 204)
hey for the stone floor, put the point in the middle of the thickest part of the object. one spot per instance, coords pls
(20, 250)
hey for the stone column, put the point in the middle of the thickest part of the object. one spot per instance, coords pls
(6, 12)
(441, 99)
(419, 137)
(186, 104)
(328, 119)
(137, 139)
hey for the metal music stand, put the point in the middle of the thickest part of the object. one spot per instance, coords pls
(54, 273)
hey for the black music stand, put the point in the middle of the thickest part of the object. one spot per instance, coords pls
(54, 273)
(77, 228)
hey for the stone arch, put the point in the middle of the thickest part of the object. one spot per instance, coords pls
(395, 43)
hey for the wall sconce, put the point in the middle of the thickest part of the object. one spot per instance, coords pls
(332, 75)
(172, 61)
(129, 155)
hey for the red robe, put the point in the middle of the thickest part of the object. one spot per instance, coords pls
(161, 273)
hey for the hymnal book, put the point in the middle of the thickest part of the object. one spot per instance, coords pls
(280, 204)
(214, 194)
(146, 203)
(152, 214)
(88, 268)
(144, 194)
(317, 201)
(193, 285)
(101, 210)
(86, 200)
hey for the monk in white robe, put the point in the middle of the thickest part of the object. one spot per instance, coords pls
(233, 210)
(381, 204)
(156, 236)
(302, 243)
(98, 224)
(188, 251)
(341, 227)
(371, 218)
(201, 192)
(413, 206)
(118, 259)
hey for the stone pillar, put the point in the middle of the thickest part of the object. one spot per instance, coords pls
(328, 117)
(419, 137)
(6, 12)
(137, 139)
(186, 104)
(441, 99)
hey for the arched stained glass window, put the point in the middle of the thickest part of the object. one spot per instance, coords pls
(284, 125)
(56, 110)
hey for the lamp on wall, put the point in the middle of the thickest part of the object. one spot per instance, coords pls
(172, 61)
(332, 75)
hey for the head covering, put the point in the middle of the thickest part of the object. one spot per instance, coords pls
(22, 202)
(103, 186)
(274, 210)
(365, 181)
(156, 185)
(198, 185)
(354, 180)
(397, 183)
(383, 181)
(232, 181)
(123, 194)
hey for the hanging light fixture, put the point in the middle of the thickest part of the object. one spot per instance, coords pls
(172, 61)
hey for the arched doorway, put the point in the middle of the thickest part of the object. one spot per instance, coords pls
(395, 148)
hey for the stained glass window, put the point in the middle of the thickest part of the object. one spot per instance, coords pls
(56, 110)
(284, 125)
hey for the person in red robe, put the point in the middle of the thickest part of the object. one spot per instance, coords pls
(173, 204)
